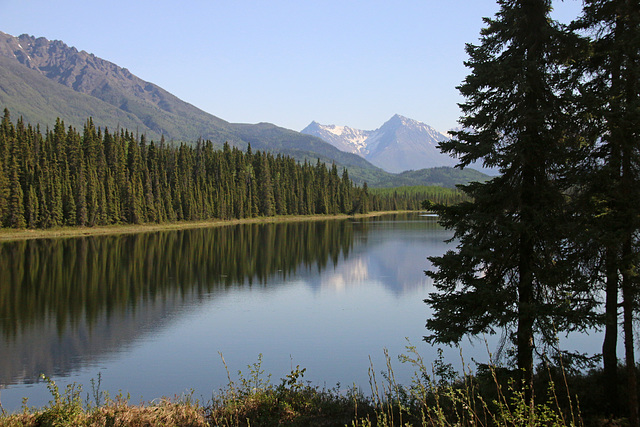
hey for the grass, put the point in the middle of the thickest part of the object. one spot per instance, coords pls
(98, 409)
(436, 396)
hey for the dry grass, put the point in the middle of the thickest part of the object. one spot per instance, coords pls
(7, 234)
(116, 413)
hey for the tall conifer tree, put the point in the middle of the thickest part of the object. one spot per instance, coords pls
(4, 191)
(611, 95)
(507, 271)
(15, 216)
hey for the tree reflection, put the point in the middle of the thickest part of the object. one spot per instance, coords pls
(68, 280)
(67, 302)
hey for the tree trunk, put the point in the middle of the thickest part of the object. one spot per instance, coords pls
(609, 356)
(526, 313)
(525, 339)
(627, 302)
(628, 27)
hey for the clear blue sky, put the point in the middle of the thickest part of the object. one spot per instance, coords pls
(287, 62)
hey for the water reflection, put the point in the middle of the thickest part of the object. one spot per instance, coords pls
(392, 252)
(63, 301)
(71, 303)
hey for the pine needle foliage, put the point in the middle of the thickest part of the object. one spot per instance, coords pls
(509, 271)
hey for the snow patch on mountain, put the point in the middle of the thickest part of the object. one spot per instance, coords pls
(342, 137)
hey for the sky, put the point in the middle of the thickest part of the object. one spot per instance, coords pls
(287, 62)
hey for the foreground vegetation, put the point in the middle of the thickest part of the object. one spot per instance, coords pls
(437, 396)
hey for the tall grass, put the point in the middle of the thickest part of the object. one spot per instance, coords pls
(69, 408)
(437, 395)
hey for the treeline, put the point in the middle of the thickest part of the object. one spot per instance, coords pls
(67, 178)
(412, 198)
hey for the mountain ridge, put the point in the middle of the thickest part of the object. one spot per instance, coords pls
(344, 138)
(131, 102)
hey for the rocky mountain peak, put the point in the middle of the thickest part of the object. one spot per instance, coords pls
(398, 145)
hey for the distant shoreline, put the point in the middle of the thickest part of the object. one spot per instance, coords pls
(9, 234)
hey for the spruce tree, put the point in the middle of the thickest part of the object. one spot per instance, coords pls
(32, 215)
(611, 173)
(81, 183)
(4, 191)
(55, 195)
(507, 272)
(345, 192)
(15, 216)
(68, 198)
(265, 186)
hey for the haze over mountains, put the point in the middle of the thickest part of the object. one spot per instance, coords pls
(42, 80)
(400, 144)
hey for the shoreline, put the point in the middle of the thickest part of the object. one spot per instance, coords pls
(8, 234)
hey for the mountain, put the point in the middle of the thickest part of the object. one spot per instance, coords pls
(155, 111)
(442, 176)
(39, 100)
(399, 145)
(42, 80)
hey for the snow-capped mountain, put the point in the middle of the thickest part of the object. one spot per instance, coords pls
(342, 137)
(398, 145)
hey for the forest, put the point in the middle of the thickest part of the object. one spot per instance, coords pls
(68, 178)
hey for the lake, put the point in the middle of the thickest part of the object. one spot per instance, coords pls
(152, 313)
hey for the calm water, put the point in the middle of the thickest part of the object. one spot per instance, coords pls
(151, 313)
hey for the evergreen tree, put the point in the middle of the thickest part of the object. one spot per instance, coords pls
(68, 198)
(82, 215)
(508, 271)
(265, 185)
(32, 215)
(366, 207)
(92, 197)
(5, 135)
(4, 191)
(55, 195)
(111, 199)
(334, 182)
(321, 191)
(345, 192)
(15, 216)
(611, 172)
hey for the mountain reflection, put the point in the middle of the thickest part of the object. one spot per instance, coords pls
(395, 256)
(67, 303)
